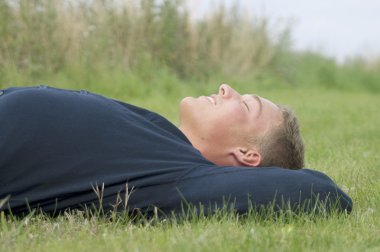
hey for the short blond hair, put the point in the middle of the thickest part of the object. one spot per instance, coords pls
(283, 145)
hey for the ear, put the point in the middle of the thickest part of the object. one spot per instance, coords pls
(247, 157)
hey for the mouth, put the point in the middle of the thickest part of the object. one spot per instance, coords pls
(211, 99)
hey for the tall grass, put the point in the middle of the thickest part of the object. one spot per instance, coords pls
(39, 36)
(85, 43)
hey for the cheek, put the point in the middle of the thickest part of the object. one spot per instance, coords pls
(227, 128)
(236, 114)
(230, 118)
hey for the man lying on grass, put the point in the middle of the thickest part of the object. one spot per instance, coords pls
(242, 130)
(58, 145)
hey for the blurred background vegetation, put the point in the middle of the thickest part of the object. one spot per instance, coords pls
(106, 45)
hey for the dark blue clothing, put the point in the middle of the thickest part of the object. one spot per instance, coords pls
(56, 145)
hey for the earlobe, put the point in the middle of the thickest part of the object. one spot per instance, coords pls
(247, 157)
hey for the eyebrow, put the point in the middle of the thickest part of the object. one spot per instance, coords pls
(257, 98)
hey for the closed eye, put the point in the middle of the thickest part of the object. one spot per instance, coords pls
(246, 105)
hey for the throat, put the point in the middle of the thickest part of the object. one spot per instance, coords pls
(196, 140)
(211, 151)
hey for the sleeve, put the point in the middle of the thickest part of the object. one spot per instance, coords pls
(208, 189)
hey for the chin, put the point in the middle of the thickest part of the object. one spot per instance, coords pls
(187, 100)
(187, 105)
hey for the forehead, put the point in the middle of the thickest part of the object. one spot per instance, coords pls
(263, 102)
(266, 113)
(269, 104)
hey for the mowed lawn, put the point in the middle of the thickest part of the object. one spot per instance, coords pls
(342, 136)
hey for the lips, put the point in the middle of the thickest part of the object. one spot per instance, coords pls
(211, 99)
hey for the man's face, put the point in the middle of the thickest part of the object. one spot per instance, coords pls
(228, 118)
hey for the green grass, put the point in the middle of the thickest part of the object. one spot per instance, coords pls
(342, 138)
(76, 233)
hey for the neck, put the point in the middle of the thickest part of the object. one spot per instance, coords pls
(214, 154)
(192, 137)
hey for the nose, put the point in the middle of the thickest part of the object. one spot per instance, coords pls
(225, 91)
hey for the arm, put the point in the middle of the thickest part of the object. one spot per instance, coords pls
(303, 190)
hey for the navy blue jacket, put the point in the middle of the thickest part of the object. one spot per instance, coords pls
(57, 145)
